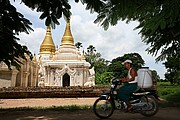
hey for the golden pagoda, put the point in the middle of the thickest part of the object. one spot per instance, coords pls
(67, 49)
(47, 46)
(66, 67)
(67, 38)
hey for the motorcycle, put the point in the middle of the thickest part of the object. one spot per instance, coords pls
(143, 101)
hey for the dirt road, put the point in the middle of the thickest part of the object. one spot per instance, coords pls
(163, 114)
(45, 102)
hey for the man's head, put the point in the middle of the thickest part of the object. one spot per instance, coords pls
(127, 63)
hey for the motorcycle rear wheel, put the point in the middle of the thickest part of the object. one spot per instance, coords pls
(152, 103)
(103, 108)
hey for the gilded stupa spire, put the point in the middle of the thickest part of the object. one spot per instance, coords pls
(47, 46)
(34, 58)
(67, 38)
(83, 56)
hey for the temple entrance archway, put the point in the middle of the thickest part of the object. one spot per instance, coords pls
(66, 80)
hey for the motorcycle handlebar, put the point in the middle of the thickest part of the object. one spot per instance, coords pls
(116, 81)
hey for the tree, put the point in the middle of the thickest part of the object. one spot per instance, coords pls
(155, 76)
(173, 69)
(159, 21)
(95, 59)
(11, 24)
(91, 56)
(100, 65)
(91, 49)
(118, 69)
(78, 45)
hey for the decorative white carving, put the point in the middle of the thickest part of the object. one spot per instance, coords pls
(91, 71)
(41, 82)
(91, 79)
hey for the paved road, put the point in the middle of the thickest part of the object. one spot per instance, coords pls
(163, 114)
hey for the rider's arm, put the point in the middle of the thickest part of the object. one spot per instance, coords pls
(133, 75)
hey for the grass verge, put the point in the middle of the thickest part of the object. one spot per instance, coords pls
(54, 108)
(170, 104)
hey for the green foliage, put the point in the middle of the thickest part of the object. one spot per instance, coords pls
(118, 69)
(159, 21)
(54, 108)
(168, 91)
(68, 107)
(91, 49)
(95, 59)
(103, 78)
(78, 45)
(11, 24)
(92, 5)
(51, 10)
(155, 76)
(173, 69)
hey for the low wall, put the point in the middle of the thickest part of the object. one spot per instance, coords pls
(52, 92)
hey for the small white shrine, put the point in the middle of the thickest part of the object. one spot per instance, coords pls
(63, 66)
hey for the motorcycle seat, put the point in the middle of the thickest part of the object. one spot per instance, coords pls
(137, 90)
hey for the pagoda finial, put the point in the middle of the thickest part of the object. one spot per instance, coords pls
(47, 46)
(83, 56)
(67, 38)
(34, 58)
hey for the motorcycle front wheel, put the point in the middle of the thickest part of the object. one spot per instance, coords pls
(103, 108)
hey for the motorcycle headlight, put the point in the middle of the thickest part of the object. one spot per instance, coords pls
(115, 81)
(112, 86)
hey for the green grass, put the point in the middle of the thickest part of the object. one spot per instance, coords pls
(169, 104)
(168, 91)
(54, 108)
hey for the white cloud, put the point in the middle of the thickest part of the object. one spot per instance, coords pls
(116, 41)
(28, 13)
(33, 40)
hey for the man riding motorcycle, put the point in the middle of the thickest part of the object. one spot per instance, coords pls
(128, 97)
(130, 83)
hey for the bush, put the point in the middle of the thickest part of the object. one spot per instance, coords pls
(103, 78)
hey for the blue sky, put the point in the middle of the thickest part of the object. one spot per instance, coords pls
(116, 41)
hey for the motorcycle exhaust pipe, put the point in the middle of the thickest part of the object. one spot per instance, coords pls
(139, 105)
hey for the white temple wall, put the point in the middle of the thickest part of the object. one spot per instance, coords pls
(72, 82)
(5, 74)
(77, 76)
(26, 76)
(14, 77)
(5, 83)
(34, 75)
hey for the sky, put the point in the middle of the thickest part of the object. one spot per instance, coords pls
(115, 42)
